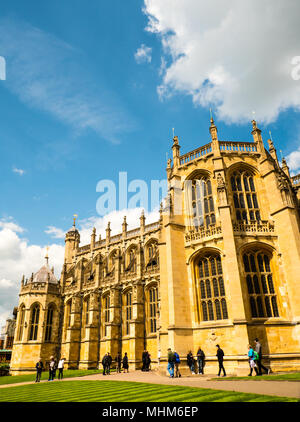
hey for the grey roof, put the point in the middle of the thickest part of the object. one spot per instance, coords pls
(44, 275)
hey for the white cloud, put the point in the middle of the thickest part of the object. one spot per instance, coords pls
(18, 171)
(55, 232)
(235, 56)
(50, 75)
(293, 161)
(143, 54)
(18, 257)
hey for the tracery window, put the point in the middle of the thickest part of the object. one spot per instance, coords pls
(211, 289)
(244, 196)
(127, 312)
(21, 323)
(260, 285)
(203, 213)
(34, 322)
(106, 304)
(152, 257)
(153, 304)
(49, 323)
(131, 261)
(85, 315)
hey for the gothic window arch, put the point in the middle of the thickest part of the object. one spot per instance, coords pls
(210, 288)
(152, 300)
(21, 322)
(131, 260)
(106, 313)
(127, 313)
(34, 322)
(151, 254)
(85, 315)
(49, 323)
(244, 196)
(260, 284)
(201, 203)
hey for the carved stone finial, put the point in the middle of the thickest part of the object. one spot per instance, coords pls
(175, 140)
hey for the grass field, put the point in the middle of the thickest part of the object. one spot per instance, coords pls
(124, 391)
(281, 377)
(31, 377)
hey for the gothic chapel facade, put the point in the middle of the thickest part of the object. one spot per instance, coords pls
(221, 266)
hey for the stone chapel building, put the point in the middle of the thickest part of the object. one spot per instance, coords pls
(221, 266)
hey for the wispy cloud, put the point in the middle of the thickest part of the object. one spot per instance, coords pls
(143, 54)
(55, 232)
(50, 75)
(18, 171)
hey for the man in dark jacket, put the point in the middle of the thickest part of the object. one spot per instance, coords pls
(104, 363)
(109, 361)
(220, 356)
(200, 360)
(258, 349)
(119, 362)
(144, 360)
(39, 368)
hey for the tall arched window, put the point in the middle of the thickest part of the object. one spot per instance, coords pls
(152, 313)
(49, 323)
(131, 261)
(244, 196)
(85, 315)
(152, 255)
(21, 323)
(106, 311)
(210, 288)
(203, 213)
(260, 285)
(34, 322)
(127, 312)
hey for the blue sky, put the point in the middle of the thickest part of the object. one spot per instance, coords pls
(79, 105)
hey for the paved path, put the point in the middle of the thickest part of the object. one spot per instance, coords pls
(272, 388)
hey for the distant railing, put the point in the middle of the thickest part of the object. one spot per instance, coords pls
(296, 180)
(84, 248)
(228, 146)
(116, 238)
(254, 227)
(196, 153)
(152, 226)
(203, 233)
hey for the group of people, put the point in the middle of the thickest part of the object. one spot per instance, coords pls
(254, 356)
(53, 366)
(107, 361)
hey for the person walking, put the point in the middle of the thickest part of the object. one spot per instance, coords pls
(104, 363)
(109, 362)
(118, 362)
(252, 360)
(258, 349)
(200, 360)
(52, 369)
(60, 367)
(191, 362)
(144, 360)
(171, 362)
(39, 369)
(220, 356)
(177, 363)
(125, 362)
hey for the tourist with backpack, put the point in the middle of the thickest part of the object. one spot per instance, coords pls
(171, 363)
(177, 363)
(200, 360)
(258, 349)
(252, 360)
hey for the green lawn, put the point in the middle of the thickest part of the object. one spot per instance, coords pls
(31, 377)
(118, 391)
(294, 376)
